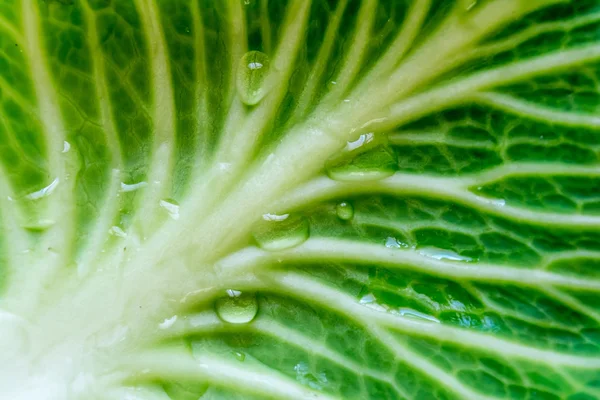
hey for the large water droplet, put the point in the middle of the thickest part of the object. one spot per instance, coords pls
(239, 309)
(443, 254)
(344, 211)
(358, 165)
(251, 74)
(171, 207)
(278, 232)
(125, 187)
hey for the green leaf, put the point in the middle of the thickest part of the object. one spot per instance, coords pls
(329, 199)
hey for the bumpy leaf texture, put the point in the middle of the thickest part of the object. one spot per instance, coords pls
(326, 199)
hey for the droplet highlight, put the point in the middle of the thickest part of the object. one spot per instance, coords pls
(365, 159)
(171, 207)
(125, 187)
(443, 254)
(44, 192)
(344, 211)
(251, 74)
(237, 309)
(279, 232)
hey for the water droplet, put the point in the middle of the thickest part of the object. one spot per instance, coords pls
(238, 309)
(168, 322)
(132, 187)
(443, 254)
(118, 232)
(344, 211)
(171, 207)
(409, 312)
(66, 147)
(46, 191)
(367, 298)
(239, 356)
(233, 293)
(39, 225)
(279, 232)
(362, 140)
(251, 74)
(247, 2)
(306, 377)
(498, 202)
(393, 243)
(360, 162)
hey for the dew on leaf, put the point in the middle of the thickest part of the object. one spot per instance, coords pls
(171, 207)
(66, 147)
(344, 211)
(125, 187)
(306, 377)
(237, 309)
(168, 322)
(369, 165)
(239, 356)
(118, 232)
(410, 313)
(443, 254)
(393, 243)
(251, 74)
(39, 225)
(44, 192)
(278, 232)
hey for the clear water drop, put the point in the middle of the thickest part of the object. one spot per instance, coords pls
(393, 243)
(251, 74)
(305, 376)
(168, 322)
(44, 192)
(66, 147)
(409, 312)
(344, 211)
(118, 232)
(239, 356)
(238, 309)
(125, 187)
(278, 232)
(39, 225)
(443, 254)
(357, 164)
(171, 207)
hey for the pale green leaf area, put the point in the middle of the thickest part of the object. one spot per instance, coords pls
(299, 199)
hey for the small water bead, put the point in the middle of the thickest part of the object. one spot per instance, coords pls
(251, 74)
(40, 225)
(125, 187)
(66, 147)
(118, 232)
(393, 243)
(344, 211)
(365, 159)
(409, 312)
(239, 309)
(443, 254)
(44, 192)
(171, 207)
(239, 356)
(279, 232)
